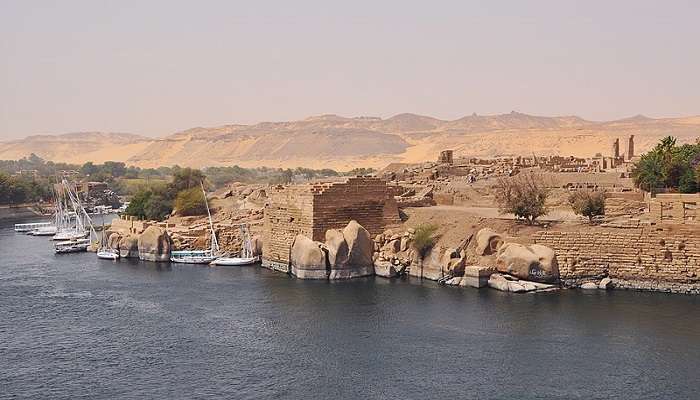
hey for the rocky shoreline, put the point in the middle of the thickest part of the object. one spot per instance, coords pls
(484, 259)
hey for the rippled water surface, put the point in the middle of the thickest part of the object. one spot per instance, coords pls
(74, 327)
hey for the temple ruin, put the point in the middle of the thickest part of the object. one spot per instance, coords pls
(312, 209)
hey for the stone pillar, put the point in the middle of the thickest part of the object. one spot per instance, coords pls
(616, 148)
(630, 147)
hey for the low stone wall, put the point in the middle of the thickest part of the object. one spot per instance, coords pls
(641, 259)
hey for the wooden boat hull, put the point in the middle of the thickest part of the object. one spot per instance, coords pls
(192, 260)
(107, 255)
(235, 261)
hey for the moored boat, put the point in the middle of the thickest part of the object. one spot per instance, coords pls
(44, 231)
(108, 254)
(245, 257)
(235, 261)
(199, 256)
(192, 256)
(72, 246)
(28, 228)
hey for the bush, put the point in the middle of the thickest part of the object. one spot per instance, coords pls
(424, 238)
(190, 202)
(523, 195)
(588, 204)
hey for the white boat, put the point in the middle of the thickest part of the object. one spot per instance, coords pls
(235, 261)
(246, 256)
(72, 246)
(44, 231)
(27, 228)
(70, 234)
(199, 256)
(192, 256)
(105, 252)
(108, 254)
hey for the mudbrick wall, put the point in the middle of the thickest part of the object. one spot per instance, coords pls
(312, 209)
(642, 259)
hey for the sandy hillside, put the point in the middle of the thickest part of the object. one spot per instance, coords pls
(331, 141)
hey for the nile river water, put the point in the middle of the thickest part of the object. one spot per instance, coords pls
(75, 327)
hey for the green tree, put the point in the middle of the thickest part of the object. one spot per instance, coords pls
(186, 178)
(688, 182)
(158, 207)
(190, 202)
(137, 205)
(668, 166)
(648, 174)
(588, 204)
(88, 169)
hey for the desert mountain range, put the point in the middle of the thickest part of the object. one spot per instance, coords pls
(331, 141)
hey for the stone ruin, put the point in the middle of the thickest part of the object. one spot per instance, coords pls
(301, 213)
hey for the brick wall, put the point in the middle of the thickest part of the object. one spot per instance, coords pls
(669, 261)
(312, 209)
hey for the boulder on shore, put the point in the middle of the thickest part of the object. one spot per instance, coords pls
(533, 263)
(154, 244)
(506, 283)
(359, 257)
(308, 259)
(129, 246)
(113, 240)
(487, 242)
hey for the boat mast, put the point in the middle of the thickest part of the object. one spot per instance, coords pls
(214, 242)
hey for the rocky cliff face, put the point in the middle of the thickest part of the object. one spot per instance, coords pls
(331, 141)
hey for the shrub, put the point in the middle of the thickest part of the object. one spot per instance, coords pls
(424, 238)
(588, 204)
(190, 202)
(523, 195)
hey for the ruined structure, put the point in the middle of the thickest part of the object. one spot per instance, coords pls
(633, 258)
(674, 208)
(314, 208)
(446, 157)
(616, 149)
(630, 147)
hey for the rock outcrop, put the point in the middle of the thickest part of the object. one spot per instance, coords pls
(308, 259)
(129, 246)
(507, 283)
(154, 244)
(534, 263)
(347, 253)
(358, 261)
(487, 242)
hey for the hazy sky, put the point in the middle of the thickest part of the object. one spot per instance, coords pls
(156, 67)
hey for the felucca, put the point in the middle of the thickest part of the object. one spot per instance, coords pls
(199, 256)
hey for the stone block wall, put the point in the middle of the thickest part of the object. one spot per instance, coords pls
(639, 258)
(312, 209)
(363, 199)
(289, 212)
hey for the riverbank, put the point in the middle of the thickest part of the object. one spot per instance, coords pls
(18, 212)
